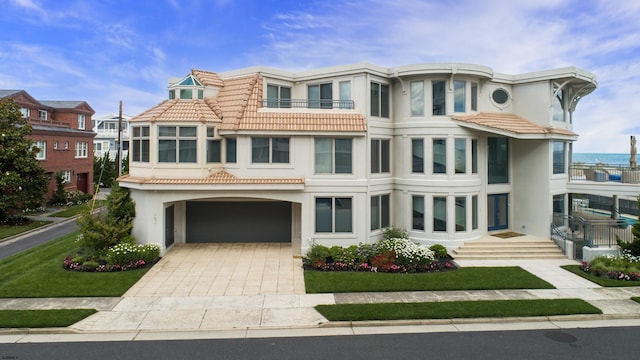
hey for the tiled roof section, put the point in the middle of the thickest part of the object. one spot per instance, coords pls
(244, 98)
(234, 98)
(180, 111)
(511, 123)
(208, 78)
(220, 178)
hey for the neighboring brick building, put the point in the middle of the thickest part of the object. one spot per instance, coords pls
(62, 131)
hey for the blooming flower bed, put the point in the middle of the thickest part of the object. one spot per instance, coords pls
(625, 267)
(394, 255)
(120, 257)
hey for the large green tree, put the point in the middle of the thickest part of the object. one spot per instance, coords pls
(23, 182)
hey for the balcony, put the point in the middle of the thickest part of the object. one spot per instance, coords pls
(308, 104)
(604, 173)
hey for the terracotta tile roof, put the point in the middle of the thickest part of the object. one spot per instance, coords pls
(220, 178)
(510, 123)
(238, 107)
(181, 111)
(208, 78)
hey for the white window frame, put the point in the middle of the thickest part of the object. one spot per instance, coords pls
(82, 121)
(26, 112)
(82, 150)
(42, 146)
(67, 177)
(43, 114)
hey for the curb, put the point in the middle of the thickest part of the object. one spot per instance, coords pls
(37, 230)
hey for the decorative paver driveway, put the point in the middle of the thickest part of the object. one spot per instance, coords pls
(223, 269)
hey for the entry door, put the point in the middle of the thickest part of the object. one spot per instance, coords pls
(498, 211)
(168, 226)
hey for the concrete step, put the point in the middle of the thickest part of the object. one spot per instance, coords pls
(512, 248)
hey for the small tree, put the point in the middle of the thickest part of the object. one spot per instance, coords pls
(23, 182)
(101, 231)
(104, 170)
(60, 196)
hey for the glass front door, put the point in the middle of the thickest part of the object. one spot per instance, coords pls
(498, 211)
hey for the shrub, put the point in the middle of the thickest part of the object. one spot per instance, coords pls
(317, 254)
(439, 251)
(394, 233)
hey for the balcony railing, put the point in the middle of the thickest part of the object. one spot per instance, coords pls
(308, 104)
(604, 173)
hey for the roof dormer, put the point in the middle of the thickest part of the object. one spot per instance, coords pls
(187, 88)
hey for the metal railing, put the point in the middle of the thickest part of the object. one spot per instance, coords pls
(604, 173)
(308, 104)
(589, 232)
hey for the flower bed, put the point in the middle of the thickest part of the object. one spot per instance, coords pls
(393, 255)
(625, 267)
(121, 257)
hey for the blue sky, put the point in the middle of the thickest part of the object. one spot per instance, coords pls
(106, 51)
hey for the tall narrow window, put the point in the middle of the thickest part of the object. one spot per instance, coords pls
(230, 147)
(461, 213)
(81, 121)
(345, 95)
(418, 213)
(461, 156)
(474, 212)
(459, 96)
(439, 213)
(439, 92)
(439, 156)
(498, 160)
(559, 154)
(334, 215)
(474, 97)
(42, 150)
(474, 156)
(417, 155)
(380, 156)
(558, 105)
(379, 100)
(82, 150)
(140, 145)
(380, 212)
(417, 98)
(214, 153)
(333, 156)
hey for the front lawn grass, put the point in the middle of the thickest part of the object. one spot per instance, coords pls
(38, 272)
(42, 318)
(74, 210)
(599, 280)
(6, 230)
(455, 309)
(466, 278)
(636, 299)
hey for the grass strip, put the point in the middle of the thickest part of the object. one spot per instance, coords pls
(576, 269)
(42, 318)
(466, 278)
(456, 309)
(38, 272)
(6, 230)
(636, 299)
(74, 210)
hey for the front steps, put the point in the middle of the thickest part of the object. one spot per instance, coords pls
(520, 247)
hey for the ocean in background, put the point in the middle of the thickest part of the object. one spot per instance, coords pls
(604, 158)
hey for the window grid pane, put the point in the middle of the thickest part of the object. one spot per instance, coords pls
(375, 156)
(417, 98)
(280, 150)
(375, 212)
(418, 213)
(439, 156)
(461, 156)
(260, 150)
(438, 98)
(231, 150)
(324, 210)
(323, 156)
(461, 214)
(343, 156)
(459, 96)
(439, 213)
(417, 159)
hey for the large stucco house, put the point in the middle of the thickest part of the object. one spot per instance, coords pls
(449, 152)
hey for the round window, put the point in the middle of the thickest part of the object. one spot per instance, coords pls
(500, 96)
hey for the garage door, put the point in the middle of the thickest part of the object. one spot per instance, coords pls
(256, 221)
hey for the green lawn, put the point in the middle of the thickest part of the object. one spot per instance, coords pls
(38, 272)
(42, 318)
(456, 309)
(74, 210)
(599, 280)
(636, 299)
(466, 278)
(6, 231)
